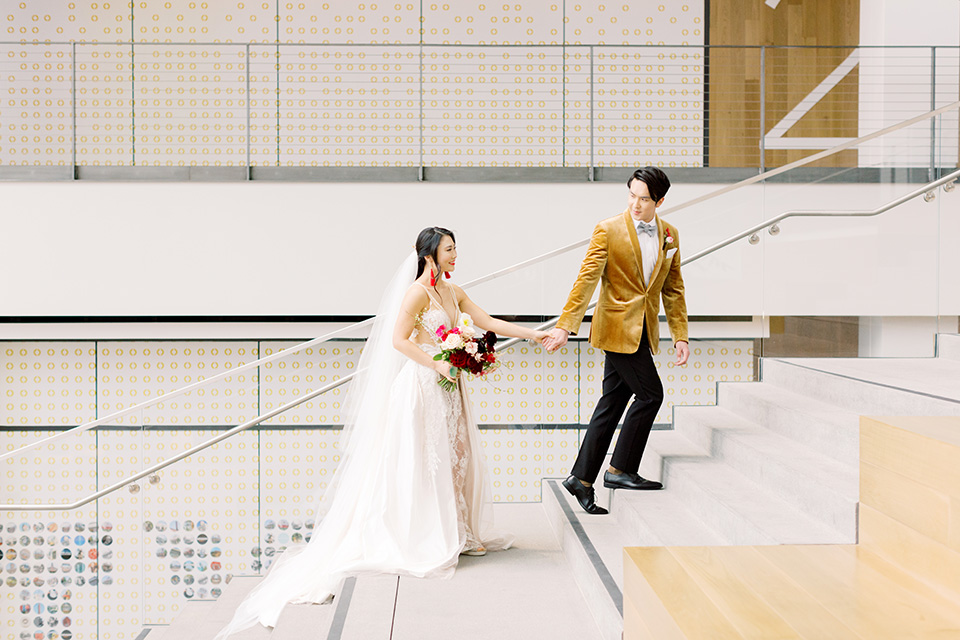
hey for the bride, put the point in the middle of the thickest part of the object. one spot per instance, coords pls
(410, 493)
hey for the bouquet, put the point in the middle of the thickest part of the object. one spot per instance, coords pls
(465, 350)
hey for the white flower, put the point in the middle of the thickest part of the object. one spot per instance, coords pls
(452, 342)
(466, 326)
(471, 348)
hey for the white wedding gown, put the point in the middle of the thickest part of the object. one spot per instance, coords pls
(411, 500)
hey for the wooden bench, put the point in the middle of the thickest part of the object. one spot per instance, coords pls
(902, 580)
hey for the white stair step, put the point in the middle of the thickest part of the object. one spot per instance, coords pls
(744, 513)
(738, 510)
(872, 386)
(822, 487)
(588, 541)
(821, 427)
(660, 518)
(948, 346)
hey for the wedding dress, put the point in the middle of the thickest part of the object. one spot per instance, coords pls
(410, 493)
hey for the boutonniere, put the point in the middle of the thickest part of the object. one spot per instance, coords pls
(667, 238)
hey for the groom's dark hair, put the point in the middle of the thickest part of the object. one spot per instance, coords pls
(427, 244)
(656, 180)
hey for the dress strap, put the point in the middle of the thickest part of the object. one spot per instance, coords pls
(429, 295)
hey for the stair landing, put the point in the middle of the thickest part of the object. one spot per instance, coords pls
(527, 591)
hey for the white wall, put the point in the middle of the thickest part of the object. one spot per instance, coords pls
(95, 249)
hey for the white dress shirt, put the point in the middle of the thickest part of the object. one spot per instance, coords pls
(649, 250)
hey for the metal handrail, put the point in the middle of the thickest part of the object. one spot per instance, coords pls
(505, 345)
(477, 281)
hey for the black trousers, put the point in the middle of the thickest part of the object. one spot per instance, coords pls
(624, 375)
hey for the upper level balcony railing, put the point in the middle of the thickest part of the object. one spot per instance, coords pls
(417, 107)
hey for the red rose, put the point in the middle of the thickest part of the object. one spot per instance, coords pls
(460, 359)
(490, 338)
(476, 368)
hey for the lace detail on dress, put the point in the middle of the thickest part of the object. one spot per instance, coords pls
(447, 414)
(460, 459)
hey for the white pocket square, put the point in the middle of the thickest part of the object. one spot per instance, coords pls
(670, 252)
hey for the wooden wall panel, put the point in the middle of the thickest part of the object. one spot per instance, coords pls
(790, 74)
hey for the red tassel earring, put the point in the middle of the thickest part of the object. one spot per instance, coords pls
(433, 279)
(446, 274)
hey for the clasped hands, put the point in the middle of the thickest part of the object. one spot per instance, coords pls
(557, 338)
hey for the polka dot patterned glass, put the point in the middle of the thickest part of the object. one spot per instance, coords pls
(339, 84)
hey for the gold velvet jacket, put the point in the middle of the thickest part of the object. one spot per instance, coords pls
(626, 302)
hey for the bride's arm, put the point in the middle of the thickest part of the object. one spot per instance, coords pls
(488, 323)
(415, 301)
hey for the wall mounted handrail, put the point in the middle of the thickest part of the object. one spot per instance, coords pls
(951, 177)
(477, 281)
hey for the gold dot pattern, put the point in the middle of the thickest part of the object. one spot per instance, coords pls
(301, 372)
(386, 22)
(203, 122)
(349, 106)
(134, 372)
(530, 387)
(648, 102)
(36, 105)
(711, 361)
(346, 106)
(104, 107)
(244, 487)
(47, 383)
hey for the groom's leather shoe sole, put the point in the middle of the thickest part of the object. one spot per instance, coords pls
(629, 481)
(584, 495)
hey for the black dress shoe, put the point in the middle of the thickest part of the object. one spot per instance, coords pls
(584, 495)
(629, 481)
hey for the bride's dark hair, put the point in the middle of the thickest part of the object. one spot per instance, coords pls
(427, 244)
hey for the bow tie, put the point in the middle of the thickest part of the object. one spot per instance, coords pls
(648, 228)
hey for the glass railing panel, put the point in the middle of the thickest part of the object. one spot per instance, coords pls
(648, 106)
(810, 103)
(304, 438)
(200, 517)
(104, 104)
(190, 105)
(728, 281)
(36, 114)
(49, 558)
(895, 85)
(821, 296)
(493, 106)
(733, 128)
(354, 106)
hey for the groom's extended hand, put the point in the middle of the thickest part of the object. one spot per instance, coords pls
(555, 339)
(683, 353)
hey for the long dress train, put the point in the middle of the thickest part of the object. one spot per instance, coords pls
(410, 501)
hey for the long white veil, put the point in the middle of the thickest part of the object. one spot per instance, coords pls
(364, 412)
(365, 420)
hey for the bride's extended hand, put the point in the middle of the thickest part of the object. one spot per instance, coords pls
(538, 336)
(443, 368)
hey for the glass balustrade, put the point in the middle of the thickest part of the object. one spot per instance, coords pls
(135, 557)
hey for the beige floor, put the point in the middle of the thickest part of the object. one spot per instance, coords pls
(525, 592)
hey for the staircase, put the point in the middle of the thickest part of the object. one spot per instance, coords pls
(774, 462)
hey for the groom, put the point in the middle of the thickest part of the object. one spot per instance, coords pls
(635, 257)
